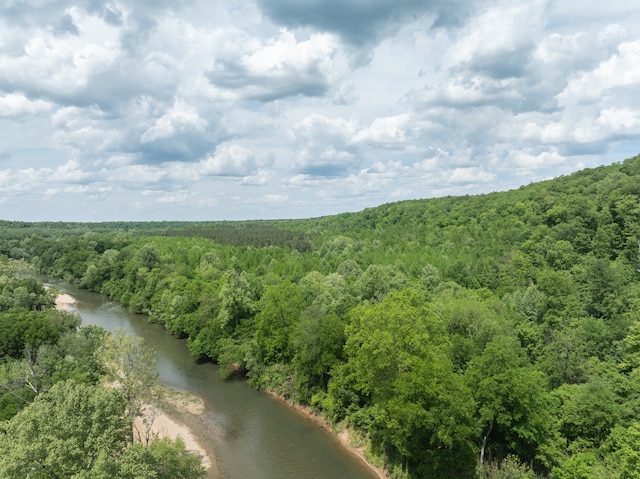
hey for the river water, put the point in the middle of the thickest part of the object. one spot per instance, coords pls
(248, 434)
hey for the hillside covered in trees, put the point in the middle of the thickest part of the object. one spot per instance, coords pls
(479, 336)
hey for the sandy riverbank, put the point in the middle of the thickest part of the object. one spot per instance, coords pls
(164, 426)
(64, 301)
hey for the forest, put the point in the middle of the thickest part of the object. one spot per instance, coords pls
(487, 336)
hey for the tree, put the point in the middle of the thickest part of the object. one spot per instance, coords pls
(588, 411)
(430, 277)
(77, 357)
(80, 431)
(238, 298)
(16, 389)
(514, 408)
(26, 378)
(374, 283)
(583, 465)
(508, 468)
(147, 257)
(281, 308)
(622, 451)
(20, 329)
(63, 433)
(632, 345)
(317, 341)
(131, 368)
(471, 320)
(421, 411)
(161, 459)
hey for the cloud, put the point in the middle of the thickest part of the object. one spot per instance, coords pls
(281, 68)
(595, 104)
(336, 147)
(259, 178)
(229, 160)
(275, 198)
(90, 192)
(323, 146)
(70, 172)
(66, 26)
(620, 72)
(620, 122)
(181, 118)
(390, 131)
(498, 43)
(481, 67)
(147, 132)
(173, 197)
(507, 83)
(463, 92)
(88, 132)
(14, 105)
(59, 67)
(21, 181)
(527, 162)
(362, 23)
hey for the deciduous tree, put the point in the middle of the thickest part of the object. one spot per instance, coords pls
(130, 366)
(63, 433)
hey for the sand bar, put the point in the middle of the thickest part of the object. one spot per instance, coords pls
(164, 426)
(65, 301)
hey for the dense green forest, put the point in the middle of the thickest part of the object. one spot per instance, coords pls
(486, 336)
(58, 418)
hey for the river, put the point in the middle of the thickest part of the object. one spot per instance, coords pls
(248, 434)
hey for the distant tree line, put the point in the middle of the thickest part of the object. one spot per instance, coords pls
(485, 336)
(257, 234)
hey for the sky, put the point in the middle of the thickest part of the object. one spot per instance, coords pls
(200, 110)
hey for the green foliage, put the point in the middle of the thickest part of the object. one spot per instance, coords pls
(588, 411)
(283, 304)
(397, 359)
(63, 433)
(508, 468)
(238, 297)
(583, 465)
(161, 459)
(259, 234)
(17, 388)
(515, 411)
(130, 366)
(23, 293)
(317, 342)
(80, 431)
(20, 329)
(622, 451)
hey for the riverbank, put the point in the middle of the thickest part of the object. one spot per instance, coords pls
(164, 424)
(64, 301)
(343, 436)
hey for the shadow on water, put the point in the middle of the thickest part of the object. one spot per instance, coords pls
(251, 435)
